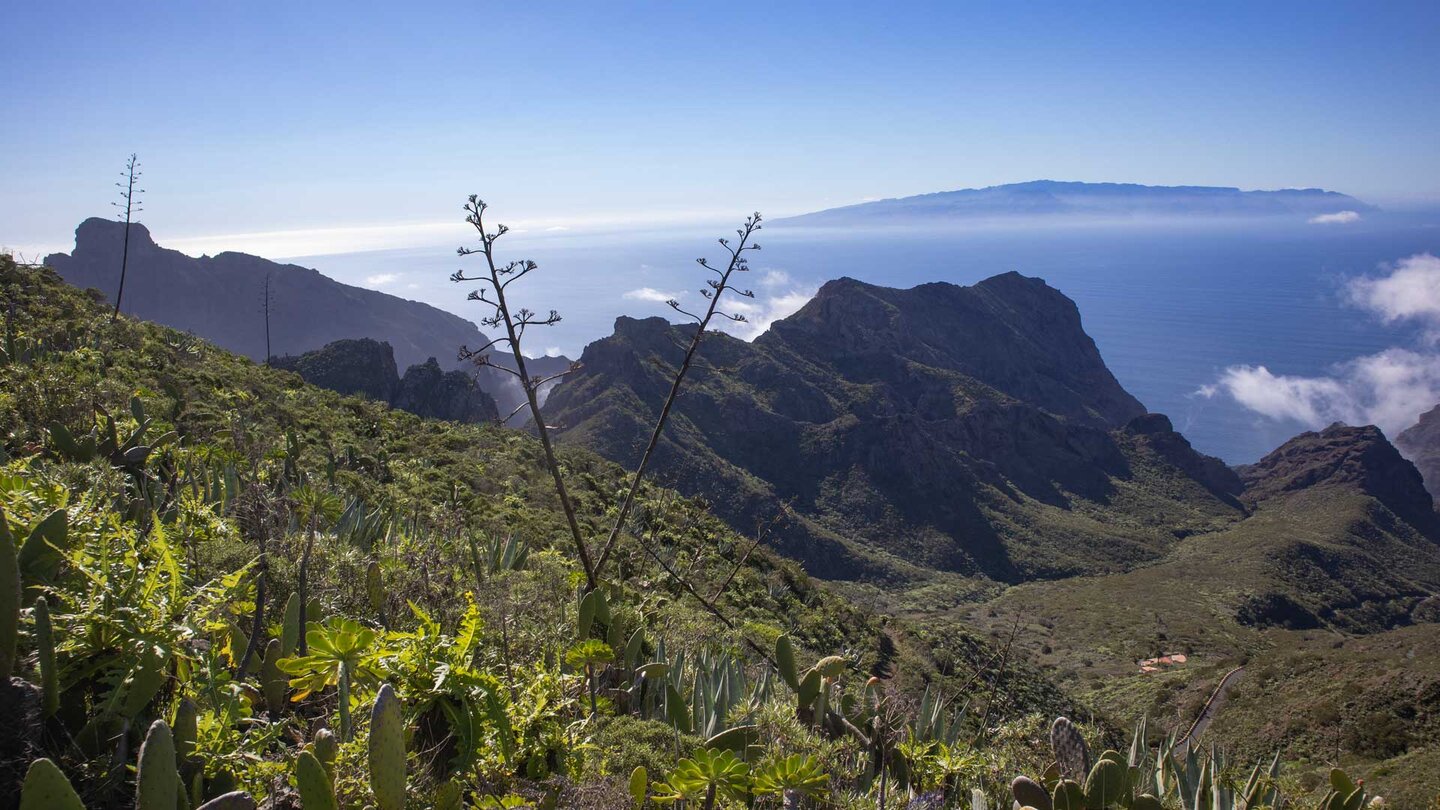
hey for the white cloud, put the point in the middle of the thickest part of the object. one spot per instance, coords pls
(774, 278)
(1409, 292)
(380, 279)
(761, 312)
(650, 294)
(1337, 218)
(1389, 389)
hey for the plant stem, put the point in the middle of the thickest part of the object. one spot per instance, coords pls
(735, 263)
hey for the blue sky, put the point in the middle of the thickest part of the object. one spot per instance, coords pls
(331, 119)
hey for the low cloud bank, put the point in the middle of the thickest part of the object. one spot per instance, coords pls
(1337, 218)
(1389, 389)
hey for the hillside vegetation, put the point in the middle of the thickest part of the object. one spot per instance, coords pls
(153, 482)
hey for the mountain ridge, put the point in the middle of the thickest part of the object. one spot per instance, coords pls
(219, 298)
(972, 430)
(1054, 198)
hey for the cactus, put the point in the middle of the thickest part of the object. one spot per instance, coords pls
(1108, 781)
(785, 657)
(1071, 753)
(326, 748)
(272, 680)
(45, 645)
(290, 626)
(449, 796)
(46, 788)
(1068, 795)
(387, 751)
(585, 617)
(1029, 793)
(9, 600)
(639, 786)
(313, 781)
(234, 800)
(157, 782)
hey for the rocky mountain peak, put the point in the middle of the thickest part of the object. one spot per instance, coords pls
(1357, 458)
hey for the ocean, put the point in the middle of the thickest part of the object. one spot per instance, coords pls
(1170, 305)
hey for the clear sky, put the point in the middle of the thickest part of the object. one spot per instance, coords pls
(263, 117)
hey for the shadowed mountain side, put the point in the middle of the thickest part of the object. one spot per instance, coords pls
(367, 368)
(965, 429)
(1421, 444)
(220, 299)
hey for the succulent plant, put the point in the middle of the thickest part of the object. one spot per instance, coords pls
(45, 648)
(327, 748)
(272, 681)
(314, 783)
(157, 782)
(387, 751)
(639, 786)
(1071, 753)
(9, 600)
(46, 788)
(290, 626)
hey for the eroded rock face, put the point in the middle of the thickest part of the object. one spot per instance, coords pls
(1359, 458)
(1421, 444)
(428, 391)
(367, 368)
(361, 367)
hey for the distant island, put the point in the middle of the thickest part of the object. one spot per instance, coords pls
(1051, 198)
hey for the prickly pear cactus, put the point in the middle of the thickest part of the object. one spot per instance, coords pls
(387, 751)
(45, 646)
(46, 788)
(1071, 753)
(272, 680)
(326, 748)
(157, 782)
(290, 627)
(313, 781)
(785, 657)
(1068, 795)
(1108, 781)
(1029, 793)
(9, 600)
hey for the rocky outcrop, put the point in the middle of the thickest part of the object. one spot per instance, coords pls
(367, 368)
(1356, 458)
(361, 367)
(1421, 444)
(428, 391)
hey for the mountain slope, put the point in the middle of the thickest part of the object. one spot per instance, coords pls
(1050, 198)
(1342, 542)
(972, 430)
(219, 298)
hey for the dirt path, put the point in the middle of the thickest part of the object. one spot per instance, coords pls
(1211, 709)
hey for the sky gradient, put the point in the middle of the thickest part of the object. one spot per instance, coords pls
(330, 119)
